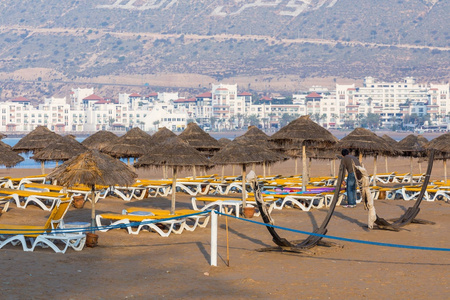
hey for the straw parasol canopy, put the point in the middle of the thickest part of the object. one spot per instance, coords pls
(100, 140)
(93, 168)
(224, 141)
(134, 143)
(412, 146)
(62, 149)
(5, 145)
(9, 158)
(240, 152)
(441, 145)
(36, 140)
(177, 154)
(366, 143)
(162, 135)
(255, 134)
(391, 142)
(199, 139)
(2, 136)
(302, 133)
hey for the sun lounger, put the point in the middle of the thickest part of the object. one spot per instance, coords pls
(38, 198)
(46, 235)
(14, 183)
(303, 201)
(5, 202)
(186, 213)
(100, 192)
(141, 220)
(383, 178)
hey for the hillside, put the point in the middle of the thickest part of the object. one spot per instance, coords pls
(259, 44)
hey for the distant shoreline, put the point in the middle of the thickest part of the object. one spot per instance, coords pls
(235, 133)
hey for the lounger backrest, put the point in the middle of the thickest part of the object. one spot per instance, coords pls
(58, 213)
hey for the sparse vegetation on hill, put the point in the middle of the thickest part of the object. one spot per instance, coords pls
(225, 40)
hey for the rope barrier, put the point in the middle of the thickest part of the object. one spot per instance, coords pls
(122, 226)
(339, 238)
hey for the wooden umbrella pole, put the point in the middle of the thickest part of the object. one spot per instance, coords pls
(194, 175)
(411, 169)
(244, 196)
(93, 208)
(331, 167)
(386, 163)
(360, 157)
(42, 167)
(264, 170)
(334, 168)
(233, 170)
(174, 190)
(445, 171)
(375, 170)
(164, 172)
(305, 169)
(223, 172)
(269, 169)
(296, 162)
(228, 245)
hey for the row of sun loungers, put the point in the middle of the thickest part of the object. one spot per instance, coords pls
(56, 199)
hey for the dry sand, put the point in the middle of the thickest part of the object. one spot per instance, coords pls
(148, 266)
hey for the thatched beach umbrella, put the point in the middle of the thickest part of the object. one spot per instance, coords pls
(224, 141)
(35, 141)
(391, 142)
(255, 134)
(93, 168)
(100, 140)
(413, 146)
(162, 135)
(366, 143)
(133, 144)
(2, 136)
(243, 153)
(441, 145)
(199, 139)
(177, 154)
(9, 158)
(62, 149)
(302, 133)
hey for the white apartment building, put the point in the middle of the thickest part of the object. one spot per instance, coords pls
(224, 100)
(86, 111)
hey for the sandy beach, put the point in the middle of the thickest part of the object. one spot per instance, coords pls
(147, 266)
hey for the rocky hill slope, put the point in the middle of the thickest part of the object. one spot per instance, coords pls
(269, 44)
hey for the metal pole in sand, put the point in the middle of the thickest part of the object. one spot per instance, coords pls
(228, 244)
(213, 238)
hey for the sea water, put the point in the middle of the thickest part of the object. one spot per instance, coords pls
(29, 163)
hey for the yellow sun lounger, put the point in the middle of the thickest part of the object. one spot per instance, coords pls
(45, 235)
(38, 198)
(143, 219)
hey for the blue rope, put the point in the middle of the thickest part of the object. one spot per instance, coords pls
(340, 238)
(122, 226)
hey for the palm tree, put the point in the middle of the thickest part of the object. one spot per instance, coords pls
(254, 120)
(156, 123)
